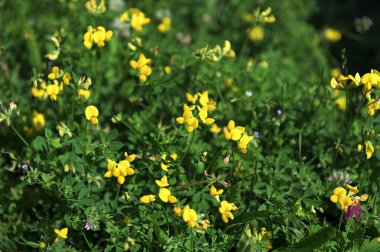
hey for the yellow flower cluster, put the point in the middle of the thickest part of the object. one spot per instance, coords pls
(225, 207)
(345, 200)
(225, 210)
(238, 134)
(135, 17)
(368, 82)
(57, 80)
(203, 106)
(165, 25)
(83, 88)
(53, 55)
(38, 121)
(165, 163)
(258, 18)
(164, 193)
(216, 53)
(122, 169)
(142, 64)
(95, 8)
(97, 36)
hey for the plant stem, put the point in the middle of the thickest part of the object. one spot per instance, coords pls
(117, 194)
(19, 135)
(340, 220)
(88, 243)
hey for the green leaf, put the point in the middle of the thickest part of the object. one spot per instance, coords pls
(84, 192)
(162, 237)
(39, 143)
(311, 242)
(372, 246)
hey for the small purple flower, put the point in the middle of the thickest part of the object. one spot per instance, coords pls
(88, 225)
(50, 64)
(256, 134)
(354, 209)
(279, 112)
(25, 166)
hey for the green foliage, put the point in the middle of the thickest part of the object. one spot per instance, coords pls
(54, 161)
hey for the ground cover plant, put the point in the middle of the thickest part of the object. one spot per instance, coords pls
(184, 126)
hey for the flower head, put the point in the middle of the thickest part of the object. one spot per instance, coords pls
(61, 233)
(92, 114)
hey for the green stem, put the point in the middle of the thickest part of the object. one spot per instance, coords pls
(88, 243)
(189, 142)
(19, 135)
(340, 220)
(117, 194)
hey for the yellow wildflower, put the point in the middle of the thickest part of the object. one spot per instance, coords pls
(166, 195)
(190, 216)
(147, 199)
(61, 233)
(225, 210)
(256, 33)
(163, 182)
(232, 132)
(142, 64)
(369, 149)
(165, 166)
(332, 35)
(92, 114)
(373, 106)
(215, 128)
(215, 193)
(94, 8)
(53, 91)
(165, 25)
(38, 93)
(98, 36)
(136, 18)
(55, 73)
(84, 94)
(38, 121)
(177, 211)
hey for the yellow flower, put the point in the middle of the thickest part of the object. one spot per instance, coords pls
(164, 194)
(177, 211)
(84, 94)
(66, 78)
(130, 158)
(243, 142)
(225, 210)
(147, 199)
(142, 64)
(92, 114)
(166, 166)
(190, 216)
(373, 106)
(163, 182)
(371, 79)
(215, 128)
(256, 33)
(369, 149)
(136, 18)
(38, 121)
(215, 193)
(165, 25)
(353, 189)
(332, 35)
(167, 69)
(53, 91)
(232, 132)
(98, 36)
(62, 233)
(92, 7)
(191, 98)
(38, 93)
(55, 73)
(204, 225)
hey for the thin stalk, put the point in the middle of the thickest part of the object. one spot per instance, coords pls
(19, 135)
(88, 243)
